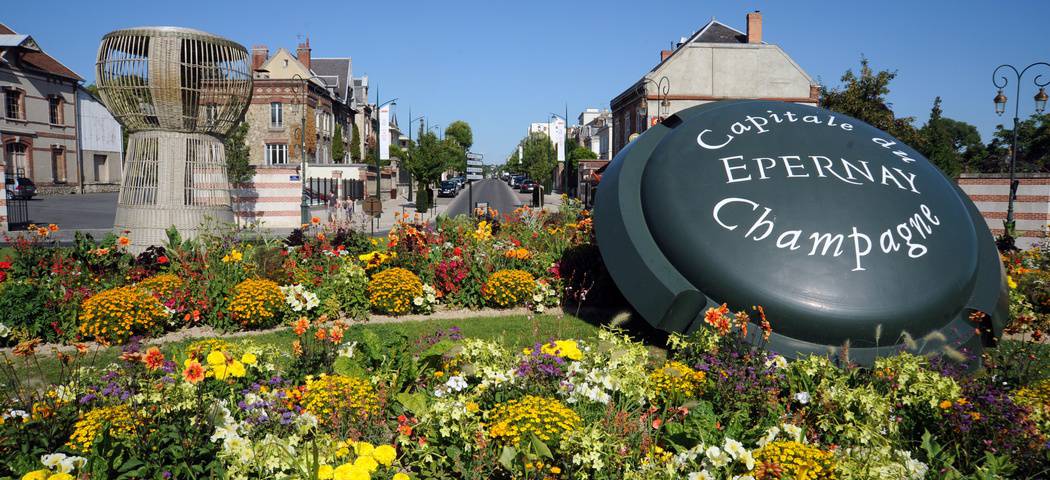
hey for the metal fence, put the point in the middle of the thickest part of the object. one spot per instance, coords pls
(318, 190)
(17, 212)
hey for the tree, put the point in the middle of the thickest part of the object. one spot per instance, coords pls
(949, 144)
(1033, 146)
(355, 144)
(460, 132)
(338, 147)
(538, 157)
(864, 98)
(238, 165)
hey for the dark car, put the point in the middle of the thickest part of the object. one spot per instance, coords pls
(20, 187)
(448, 189)
(527, 186)
(515, 181)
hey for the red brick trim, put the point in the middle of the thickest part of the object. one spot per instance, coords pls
(1006, 198)
(1017, 215)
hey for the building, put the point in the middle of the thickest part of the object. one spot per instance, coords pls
(39, 124)
(595, 132)
(717, 62)
(289, 96)
(101, 144)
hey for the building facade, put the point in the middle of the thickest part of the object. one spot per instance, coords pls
(715, 63)
(38, 129)
(595, 132)
(101, 144)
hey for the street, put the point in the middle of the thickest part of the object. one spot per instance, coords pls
(493, 191)
(90, 211)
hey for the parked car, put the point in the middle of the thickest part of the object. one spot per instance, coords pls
(20, 187)
(461, 182)
(527, 186)
(515, 181)
(448, 189)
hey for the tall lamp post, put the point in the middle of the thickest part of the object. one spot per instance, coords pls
(378, 107)
(410, 146)
(304, 205)
(1000, 81)
(663, 88)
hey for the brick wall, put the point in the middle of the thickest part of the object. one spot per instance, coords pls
(3, 198)
(991, 194)
(272, 198)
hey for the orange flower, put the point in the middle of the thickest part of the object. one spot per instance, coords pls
(301, 325)
(81, 348)
(297, 348)
(320, 334)
(315, 220)
(42, 232)
(131, 357)
(742, 320)
(194, 372)
(123, 241)
(153, 359)
(716, 317)
(52, 227)
(26, 348)
(335, 335)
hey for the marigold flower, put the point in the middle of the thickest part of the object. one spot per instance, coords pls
(52, 227)
(154, 359)
(194, 372)
(301, 325)
(123, 241)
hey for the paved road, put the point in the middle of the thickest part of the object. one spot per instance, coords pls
(82, 212)
(493, 191)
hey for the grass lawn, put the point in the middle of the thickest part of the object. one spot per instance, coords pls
(514, 331)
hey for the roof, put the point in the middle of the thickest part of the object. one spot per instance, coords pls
(718, 32)
(336, 73)
(32, 56)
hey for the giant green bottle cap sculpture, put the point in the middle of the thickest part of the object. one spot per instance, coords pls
(842, 233)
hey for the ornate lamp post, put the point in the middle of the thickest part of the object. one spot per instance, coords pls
(304, 205)
(1000, 81)
(663, 88)
(410, 146)
(378, 107)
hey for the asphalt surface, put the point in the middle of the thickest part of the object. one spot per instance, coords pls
(493, 191)
(89, 211)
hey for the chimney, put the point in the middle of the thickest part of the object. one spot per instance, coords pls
(664, 54)
(303, 53)
(754, 27)
(259, 55)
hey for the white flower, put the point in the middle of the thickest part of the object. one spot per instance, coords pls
(779, 361)
(769, 436)
(418, 301)
(77, 462)
(456, 383)
(802, 397)
(743, 477)
(347, 350)
(717, 457)
(16, 413)
(748, 459)
(52, 460)
(66, 465)
(734, 448)
(794, 431)
(701, 475)
(306, 421)
(4, 331)
(299, 298)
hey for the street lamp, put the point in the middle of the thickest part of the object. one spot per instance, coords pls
(1000, 81)
(378, 107)
(663, 88)
(304, 205)
(411, 122)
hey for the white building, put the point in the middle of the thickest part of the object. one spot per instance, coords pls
(595, 132)
(101, 144)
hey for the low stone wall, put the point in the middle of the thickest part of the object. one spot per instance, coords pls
(990, 192)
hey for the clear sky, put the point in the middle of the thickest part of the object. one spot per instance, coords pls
(500, 65)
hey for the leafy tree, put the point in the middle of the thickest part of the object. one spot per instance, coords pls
(238, 165)
(338, 147)
(538, 157)
(460, 131)
(355, 144)
(864, 98)
(1033, 146)
(513, 164)
(949, 144)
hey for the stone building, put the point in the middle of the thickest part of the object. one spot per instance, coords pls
(717, 62)
(290, 97)
(38, 128)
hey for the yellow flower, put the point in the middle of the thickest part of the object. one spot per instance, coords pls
(1010, 281)
(216, 358)
(326, 472)
(401, 476)
(364, 449)
(237, 369)
(945, 404)
(60, 476)
(248, 359)
(385, 454)
(349, 471)
(36, 475)
(368, 463)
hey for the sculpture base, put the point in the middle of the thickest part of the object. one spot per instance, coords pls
(172, 180)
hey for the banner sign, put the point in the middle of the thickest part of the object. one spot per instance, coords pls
(842, 233)
(558, 137)
(384, 133)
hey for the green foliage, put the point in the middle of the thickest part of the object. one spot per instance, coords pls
(238, 164)
(863, 97)
(1033, 146)
(355, 144)
(26, 312)
(422, 198)
(460, 132)
(344, 293)
(538, 157)
(338, 147)
(949, 144)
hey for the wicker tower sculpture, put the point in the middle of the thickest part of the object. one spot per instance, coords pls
(178, 91)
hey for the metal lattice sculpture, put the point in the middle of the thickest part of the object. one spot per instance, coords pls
(177, 91)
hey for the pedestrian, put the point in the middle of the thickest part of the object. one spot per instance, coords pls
(333, 203)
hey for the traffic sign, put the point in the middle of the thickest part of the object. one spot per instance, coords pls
(473, 176)
(373, 206)
(473, 169)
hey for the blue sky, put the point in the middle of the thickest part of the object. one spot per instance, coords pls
(500, 65)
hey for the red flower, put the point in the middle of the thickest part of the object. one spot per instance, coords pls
(162, 259)
(5, 265)
(457, 251)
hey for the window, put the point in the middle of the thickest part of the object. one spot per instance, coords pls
(54, 110)
(16, 158)
(276, 154)
(211, 113)
(13, 104)
(276, 115)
